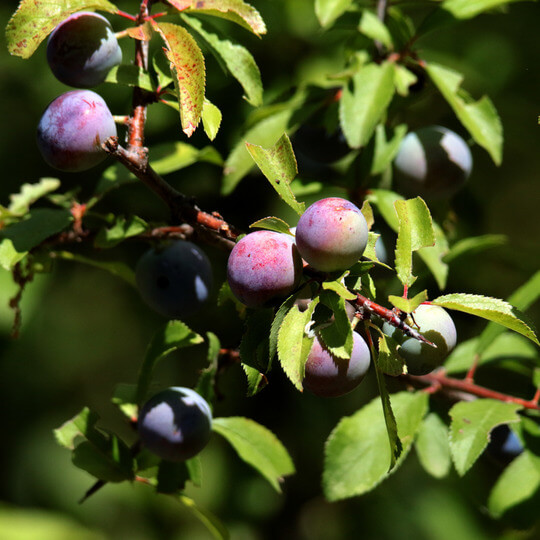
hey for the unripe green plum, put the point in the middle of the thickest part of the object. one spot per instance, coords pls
(332, 234)
(433, 162)
(82, 49)
(175, 424)
(436, 325)
(329, 376)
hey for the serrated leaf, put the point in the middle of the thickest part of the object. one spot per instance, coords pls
(467, 9)
(293, 344)
(34, 20)
(81, 425)
(517, 483)
(211, 117)
(389, 361)
(521, 298)
(408, 305)
(207, 379)
(143, 32)
(265, 133)
(480, 117)
(122, 229)
(433, 256)
(471, 424)
(328, 11)
(371, 26)
(403, 79)
(357, 454)
(367, 212)
(362, 107)
(129, 75)
(29, 193)
(272, 224)
(255, 379)
(278, 164)
(432, 446)
(237, 59)
(338, 336)
(209, 520)
(280, 315)
(237, 11)
(187, 67)
(492, 309)
(473, 245)
(340, 289)
(415, 232)
(173, 336)
(385, 151)
(18, 239)
(257, 446)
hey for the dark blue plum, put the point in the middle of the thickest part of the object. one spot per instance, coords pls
(328, 376)
(263, 268)
(175, 424)
(432, 162)
(175, 279)
(332, 234)
(82, 49)
(72, 130)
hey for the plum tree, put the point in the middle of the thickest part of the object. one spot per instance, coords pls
(175, 279)
(329, 376)
(436, 325)
(332, 234)
(72, 130)
(264, 267)
(82, 49)
(433, 162)
(175, 424)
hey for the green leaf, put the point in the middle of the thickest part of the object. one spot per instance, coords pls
(255, 379)
(389, 361)
(130, 75)
(20, 202)
(211, 117)
(480, 118)
(404, 79)
(209, 520)
(415, 232)
(238, 61)
(386, 151)
(278, 165)
(492, 309)
(357, 453)
(265, 133)
(474, 245)
(385, 201)
(173, 156)
(371, 26)
(81, 425)
(116, 268)
(237, 11)
(338, 336)
(433, 256)
(432, 446)
(272, 224)
(257, 446)
(124, 398)
(173, 336)
(361, 109)
(521, 299)
(281, 313)
(408, 305)
(293, 344)
(18, 239)
(472, 422)
(172, 477)
(517, 483)
(467, 9)
(328, 11)
(187, 66)
(207, 379)
(254, 347)
(122, 229)
(34, 20)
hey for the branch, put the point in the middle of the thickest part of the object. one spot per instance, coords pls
(438, 382)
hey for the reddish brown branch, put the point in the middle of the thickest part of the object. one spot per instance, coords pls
(438, 382)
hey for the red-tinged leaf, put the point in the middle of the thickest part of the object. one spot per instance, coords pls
(187, 67)
(234, 10)
(142, 33)
(34, 20)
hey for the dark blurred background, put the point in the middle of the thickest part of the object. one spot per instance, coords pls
(85, 331)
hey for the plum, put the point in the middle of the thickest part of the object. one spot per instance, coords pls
(329, 376)
(175, 424)
(436, 325)
(174, 279)
(332, 234)
(72, 130)
(82, 49)
(263, 268)
(433, 162)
